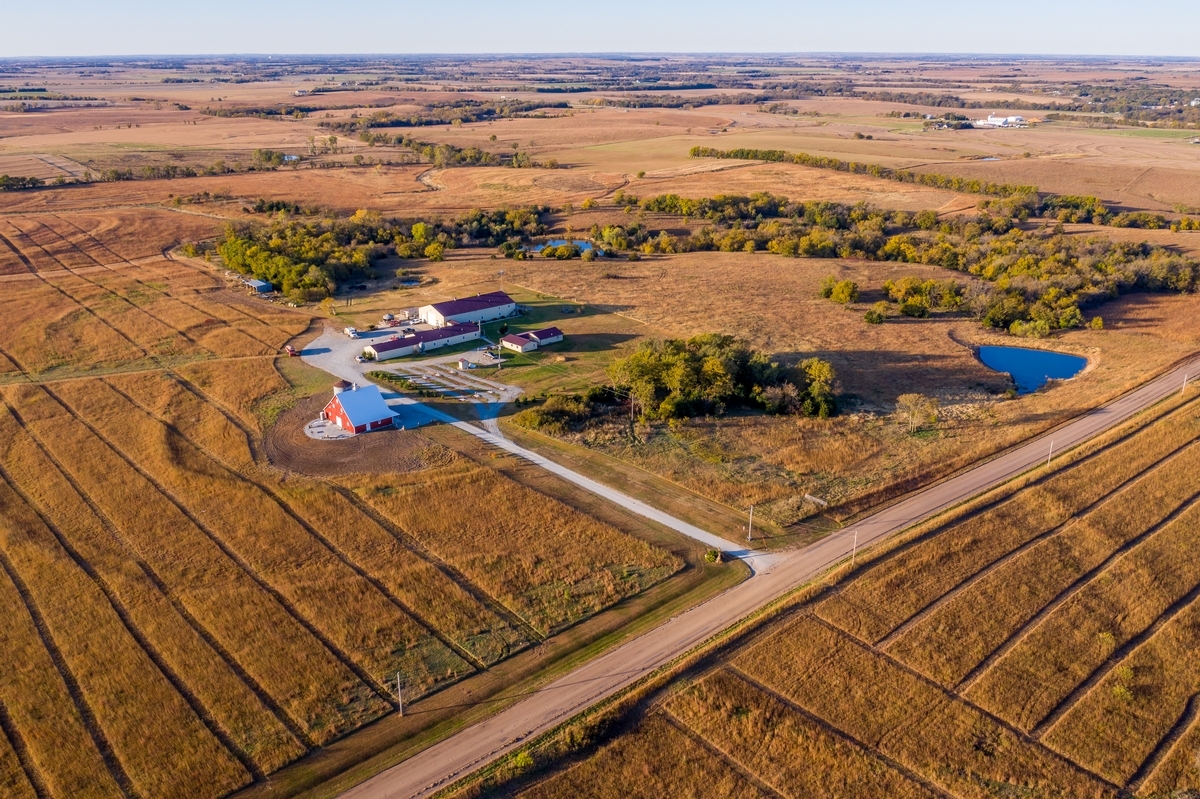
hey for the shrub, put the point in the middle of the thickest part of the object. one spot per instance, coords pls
(877, 314)
(845, 292)
(713, 556)
(557, 416)
(1097, 323)
(1039, 328)
(827, 287)
(915, 308)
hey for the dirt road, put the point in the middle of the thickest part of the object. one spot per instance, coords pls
(446, 761)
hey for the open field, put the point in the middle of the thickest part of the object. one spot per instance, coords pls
(1035, 645)
(189, 619)
(200, 601)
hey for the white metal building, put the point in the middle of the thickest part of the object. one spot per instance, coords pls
(480, 308)
(423, 341)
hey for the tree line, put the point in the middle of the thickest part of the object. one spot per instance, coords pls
(931, 179)
(306, 258)
(17, 183)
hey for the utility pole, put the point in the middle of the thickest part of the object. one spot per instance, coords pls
(1183, 390)
(1051, 455)
(750, 529)
(854, 551)
(399, 695)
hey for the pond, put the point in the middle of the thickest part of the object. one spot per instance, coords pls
(583, 246)
(1031, 369)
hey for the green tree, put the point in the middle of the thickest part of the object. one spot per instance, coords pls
(435, 251)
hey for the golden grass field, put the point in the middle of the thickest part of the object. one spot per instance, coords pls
(187, 619)
(1037, 644)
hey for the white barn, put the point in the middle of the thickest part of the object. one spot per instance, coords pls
(480, 308)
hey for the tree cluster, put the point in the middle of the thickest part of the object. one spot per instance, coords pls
(307, 258)
(707, 374)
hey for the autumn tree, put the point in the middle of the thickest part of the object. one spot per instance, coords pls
(917, 410)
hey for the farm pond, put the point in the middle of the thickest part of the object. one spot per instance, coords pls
(1031, 369)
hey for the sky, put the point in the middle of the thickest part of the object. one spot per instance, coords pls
(1156, 28)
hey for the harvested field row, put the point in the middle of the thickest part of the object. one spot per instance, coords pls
(1119, 724)
(14, 780)
(1176, 764)
(319, 694)
(163, 748)
(656, 759)
(875, 700)
(98, 254)
(41, 708)
(1032, 683)
(185, 320)
(242, 711)
(47, 328)
(786, 749)
(897, 588)
(950, 642)
(33, 256)
(369, 631)
(446, 604)
(51, 243)
(548, 563)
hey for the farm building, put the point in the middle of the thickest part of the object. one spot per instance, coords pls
(260, 286)
(358, 410)
(518, 343)
(528, 342)
(480, 308)
(547, 335)
(994, 121)
(422, 341)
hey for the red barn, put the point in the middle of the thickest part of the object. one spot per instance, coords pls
(357, 410)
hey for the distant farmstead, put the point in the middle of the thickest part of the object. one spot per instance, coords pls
(358, 409)
(528, 342)
(260, 286)
(480, 308)
(422, 341)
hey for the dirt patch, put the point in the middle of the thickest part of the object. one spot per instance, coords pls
(380, 452)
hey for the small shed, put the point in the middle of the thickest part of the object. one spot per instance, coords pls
(518, 343)
(548, 335)
(260, 286)
(464, 364)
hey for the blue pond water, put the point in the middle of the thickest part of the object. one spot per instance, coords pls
(1031, 369)
(582, 245)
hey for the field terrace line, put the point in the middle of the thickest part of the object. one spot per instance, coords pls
(453, 758)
